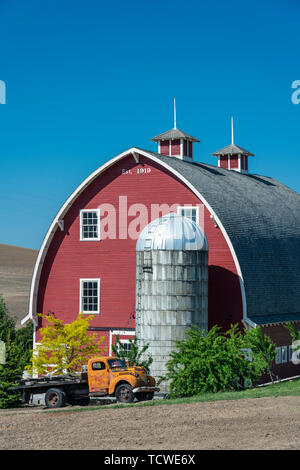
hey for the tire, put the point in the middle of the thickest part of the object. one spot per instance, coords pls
(55, 398)
(124, 393)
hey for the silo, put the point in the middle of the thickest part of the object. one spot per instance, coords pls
(171, 285)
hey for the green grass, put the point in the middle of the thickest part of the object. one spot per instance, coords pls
(288, 388)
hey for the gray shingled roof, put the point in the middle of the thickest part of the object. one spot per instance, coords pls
(262, 219)
(174, 134)
(233, 149)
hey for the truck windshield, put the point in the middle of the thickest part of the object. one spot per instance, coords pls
(116, 363)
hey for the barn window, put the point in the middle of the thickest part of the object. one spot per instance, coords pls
(126, 346)
(190, 212)
(284, 354)
(89, 225)
(278, 356)
(90, 295)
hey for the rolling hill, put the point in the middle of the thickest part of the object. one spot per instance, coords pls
(16, 267)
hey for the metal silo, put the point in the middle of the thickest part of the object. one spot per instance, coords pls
(171, 285)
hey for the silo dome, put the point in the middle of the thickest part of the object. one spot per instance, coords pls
(172, 232)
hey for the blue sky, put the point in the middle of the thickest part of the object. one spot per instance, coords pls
(86, 80)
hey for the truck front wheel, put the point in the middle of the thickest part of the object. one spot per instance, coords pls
(124, 393)
(55, 398)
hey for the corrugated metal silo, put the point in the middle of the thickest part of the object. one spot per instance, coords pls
(171, 285)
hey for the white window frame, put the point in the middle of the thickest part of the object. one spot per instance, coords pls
(284, 350)
(278, 355)
(119, 333)
(81, 295)
(82, 238)
(125, 341)
(179, 208)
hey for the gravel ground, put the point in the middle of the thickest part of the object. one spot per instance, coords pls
(263, 423)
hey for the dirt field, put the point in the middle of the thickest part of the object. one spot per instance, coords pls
(264, 423)
(16, 267)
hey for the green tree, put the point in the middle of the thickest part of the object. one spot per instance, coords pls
(135, 356)
(18, 344)
(295, 336)
(211, 361)
(7, 323)
(263, 350)
(64, 347)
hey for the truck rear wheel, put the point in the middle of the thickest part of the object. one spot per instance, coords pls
(55, 398)
(124, 393)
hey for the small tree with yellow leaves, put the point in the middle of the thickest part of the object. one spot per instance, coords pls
(64, 348)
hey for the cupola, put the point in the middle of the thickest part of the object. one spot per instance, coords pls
(233, 157)
(175, 143)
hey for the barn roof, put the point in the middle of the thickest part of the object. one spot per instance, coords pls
(233, 149)
(174, 134)
(262, 218)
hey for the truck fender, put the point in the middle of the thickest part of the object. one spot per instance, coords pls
(116, 381)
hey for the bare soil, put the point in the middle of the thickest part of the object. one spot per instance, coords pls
(16, 267)
(263, 423)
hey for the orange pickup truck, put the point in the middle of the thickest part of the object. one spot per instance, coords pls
(103, 376)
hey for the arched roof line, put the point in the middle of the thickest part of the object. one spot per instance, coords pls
(72, 198)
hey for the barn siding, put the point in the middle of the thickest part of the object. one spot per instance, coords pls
(165, 147)
(234, 161)
(176, 147)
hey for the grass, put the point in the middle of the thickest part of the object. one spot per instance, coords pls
(288, 388)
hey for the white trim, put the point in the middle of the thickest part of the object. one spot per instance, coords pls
(170, 148)
(181, 148)
(48, 238)
(120, 333)
(80, 296)
(96, 239)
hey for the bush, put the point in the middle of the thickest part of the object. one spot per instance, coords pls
(262, 349)
(212, 361)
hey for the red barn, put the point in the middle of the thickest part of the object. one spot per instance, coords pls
(87, 261)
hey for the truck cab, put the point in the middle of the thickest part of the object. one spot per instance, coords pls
(110, 376)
